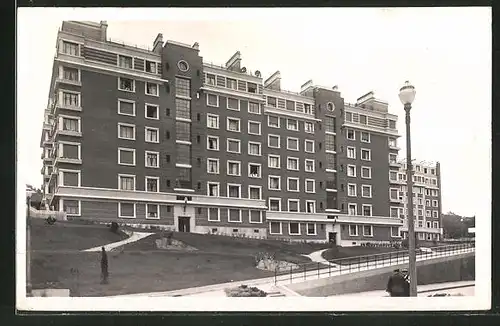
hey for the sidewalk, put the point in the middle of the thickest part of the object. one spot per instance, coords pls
(268, 283)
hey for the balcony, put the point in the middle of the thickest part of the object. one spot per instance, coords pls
(68, 82)
(369, 220)
(69, 160)
(69, 107)
(331, 186)
(396, 182)
(398, 200)
(395, 164)
(296, 216)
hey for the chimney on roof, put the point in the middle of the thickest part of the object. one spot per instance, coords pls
(274, 82)
(158, 43)
(104, 30)
(234, 63)
(196, 46)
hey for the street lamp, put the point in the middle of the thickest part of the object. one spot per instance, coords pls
(407, 95)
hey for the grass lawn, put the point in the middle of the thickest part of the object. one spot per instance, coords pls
(347, 255)
(68, 236)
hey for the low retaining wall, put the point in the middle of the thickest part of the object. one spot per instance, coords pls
(443, 269)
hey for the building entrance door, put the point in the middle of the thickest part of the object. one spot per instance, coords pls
(332, 237)
(184, 223)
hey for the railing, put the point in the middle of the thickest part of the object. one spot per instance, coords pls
(335, 267)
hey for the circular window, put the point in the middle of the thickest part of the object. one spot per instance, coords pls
(183, 65)
(330, 107)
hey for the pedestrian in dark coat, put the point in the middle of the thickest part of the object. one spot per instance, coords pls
(396, 286)
(104, 267)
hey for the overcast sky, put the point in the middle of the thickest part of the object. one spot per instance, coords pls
(445, 53)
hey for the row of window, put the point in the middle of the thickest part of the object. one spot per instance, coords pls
(419, 190)
(400, 212)
(367, 231)
(255, 169)
(273, 141)
(233, 104)
(280, 103)
(366, 154)
(366, 171)
(231, 83)
(123, 61)
(234, 124)
(366, 209)
(365, 120)
(128, 85)
(365, 136)
(294, 228)
(366, 190)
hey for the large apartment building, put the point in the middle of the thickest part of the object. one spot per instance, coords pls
(426, 199)
(161, 137)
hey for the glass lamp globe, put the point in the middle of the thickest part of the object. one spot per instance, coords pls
(407, 93)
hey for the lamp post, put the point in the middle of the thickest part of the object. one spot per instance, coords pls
(28, 243)
(407, 95)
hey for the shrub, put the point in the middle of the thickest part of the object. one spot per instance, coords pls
(169, 235)
(51, 220)
(245, 291)
(114, 227)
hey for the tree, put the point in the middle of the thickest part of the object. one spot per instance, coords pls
(454, 226)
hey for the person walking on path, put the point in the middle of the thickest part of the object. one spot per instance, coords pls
(397, 286)
(104, 267)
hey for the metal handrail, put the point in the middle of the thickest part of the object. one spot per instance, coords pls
(360, 263)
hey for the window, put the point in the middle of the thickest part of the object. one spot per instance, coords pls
(271, 101)
(254, 192)
(292, 144)
(70, 74)
(69, 178)
(273, 141)
(213, 214)
(274, 161)
(292, 124)
(183, 154)
(212, 121)
(330, 124)
(183, 131)
(310, 186)
(233, 104)
(234, 191)
(254, 127)
(213, 100)
(213, 189)
(275, 204)
(210, 79)
(293, 184)
(309, 165)
(427, 202)
(126, 156)
(152, 89)
(307, 108)
(254, 170)
(213, 165)
(365, 137)
(71, 207)
(309, 146)
(126, 182)
(152, 160)
(151, 135)
(70, 99)
(350, 134)
(393, 158)
(231, 83)
(351, 152)
(273, 121)
(234, 168)
(151, 67)
(70, 124)
(182, 87)
(393, 194)
(367, 230)
(252, 87)
(366, 154)
(309, 127)
(253, 108)
(353, 230)
(352, 209)
(213, 143)
(233, 145)
(367, 210)
(395, 212)
(293, 205)
(330, 143)
(351, 190)
(275, 228)
(70, 48)
(434, 203)
(124, 61)
(274, 182)
(366, 191)
(294, 228)
(351, 170)
(393, 175)
(126, 131)
(255, 216)
(233, 124)
(152, 184)
(392, 124)
(331, 162)
(126, 107)
(126, 84)
(292, 163)
(310, 206)
(393, 143)
(152, 111)
(311, 228)
(183, 108)
(366, 172)
(126, 210)
(234, 215)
